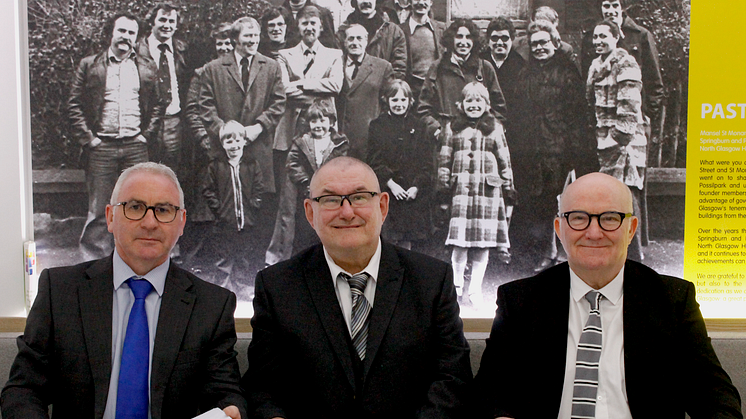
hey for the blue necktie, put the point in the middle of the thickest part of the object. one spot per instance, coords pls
(132, 393)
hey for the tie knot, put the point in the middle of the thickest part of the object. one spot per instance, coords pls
(309, 52)
(357, 282)
(244, 61)
(164, 47)
(593, 297)
(140, 287)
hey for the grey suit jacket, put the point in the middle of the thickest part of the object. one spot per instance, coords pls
(300, 364)
(65, 354)
(359, 102)
(222, 98)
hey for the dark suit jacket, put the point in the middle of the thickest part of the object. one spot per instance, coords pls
(182, 63)
(359, 102)
(222, 98)
(300, 364)
(64, 356)
(670, 366)
(86, 102)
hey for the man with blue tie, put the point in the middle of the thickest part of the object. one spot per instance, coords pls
(600, 336)
(131, 335)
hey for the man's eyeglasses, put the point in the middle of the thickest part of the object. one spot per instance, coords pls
(540, 43)
(608, 221)
(136, 210)
(503, 38)
(357, 199)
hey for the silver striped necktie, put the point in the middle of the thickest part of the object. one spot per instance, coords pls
(360, 310)
(585, 386)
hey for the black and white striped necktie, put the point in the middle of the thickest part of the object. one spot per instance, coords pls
(585, 387)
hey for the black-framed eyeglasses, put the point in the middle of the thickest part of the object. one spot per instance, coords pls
(136, 210)
(540, 43)
(504, 38)
(357, 199)
(608, 221)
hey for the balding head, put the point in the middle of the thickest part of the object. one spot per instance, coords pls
(349, 230)
(596, 255)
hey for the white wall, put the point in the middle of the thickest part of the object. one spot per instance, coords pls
(15, 156)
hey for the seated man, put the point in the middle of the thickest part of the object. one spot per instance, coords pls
(601, 336)
(355, 327)
(130, 335)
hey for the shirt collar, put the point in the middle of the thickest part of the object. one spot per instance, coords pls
(156, 276)
(110, 55)
(351, 61)
(413, 24)
(371, 269)
(239, 58)
(152, 40)
(314, 47)
(613, 291)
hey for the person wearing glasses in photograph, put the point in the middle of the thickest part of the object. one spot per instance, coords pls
(130, 335)
(600, 336)
(355, 327)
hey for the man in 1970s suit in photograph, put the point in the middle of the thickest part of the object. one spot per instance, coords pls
(359, 101)
(246, 87)
(387, 344)
(114, 113)
(130, 335)
(601, 336)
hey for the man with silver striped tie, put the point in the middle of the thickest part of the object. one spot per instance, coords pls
(355, 327)
(600, 336)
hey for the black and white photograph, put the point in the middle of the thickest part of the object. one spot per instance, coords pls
(473, 114)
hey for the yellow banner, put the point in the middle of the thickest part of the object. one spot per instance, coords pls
(715, 231)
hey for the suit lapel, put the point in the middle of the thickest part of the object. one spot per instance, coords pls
(229, 62)
(366, 67)
(388, 285)
(256, 67)
(96, 300)
(176, 309)
(636, 311)
(321, 288)
(554, 315)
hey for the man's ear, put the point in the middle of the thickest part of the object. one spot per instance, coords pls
(309, 211)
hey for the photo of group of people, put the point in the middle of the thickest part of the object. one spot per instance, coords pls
(472, 125)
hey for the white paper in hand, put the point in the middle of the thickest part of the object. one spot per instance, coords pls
(215, 413)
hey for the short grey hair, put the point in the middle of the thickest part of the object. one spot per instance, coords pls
(147, 167)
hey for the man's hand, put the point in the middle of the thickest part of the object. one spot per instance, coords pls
(253, 132)
(232, 412)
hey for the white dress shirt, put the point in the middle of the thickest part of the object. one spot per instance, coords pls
(342, 287)
(123, 301)
(611, 399)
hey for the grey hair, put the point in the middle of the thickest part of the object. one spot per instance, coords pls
(151, 168)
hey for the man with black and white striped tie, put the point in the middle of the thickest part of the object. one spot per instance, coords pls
(600, 336)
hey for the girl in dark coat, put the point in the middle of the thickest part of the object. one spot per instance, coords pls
(401, 159)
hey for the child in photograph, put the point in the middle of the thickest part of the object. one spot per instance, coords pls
(233, 189)
(474, 169)
(403, 163)
(309, 151)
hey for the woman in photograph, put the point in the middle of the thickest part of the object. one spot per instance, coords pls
(554, 119)
(274, 31)
(459, 65)
(614, 90)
